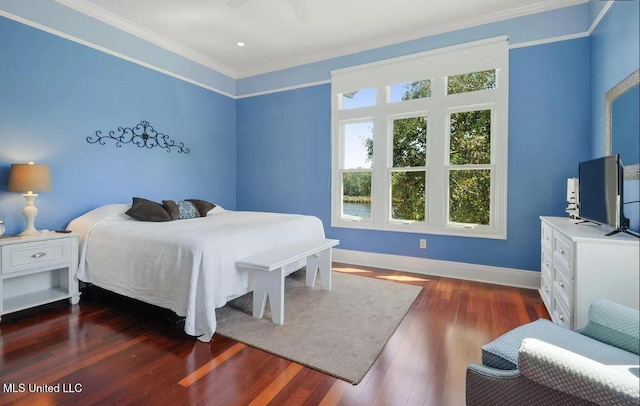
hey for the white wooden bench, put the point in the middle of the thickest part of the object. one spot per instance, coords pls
(269, 272)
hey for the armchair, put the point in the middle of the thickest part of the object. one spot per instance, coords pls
(542, 363)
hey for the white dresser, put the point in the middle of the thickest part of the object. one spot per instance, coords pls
(579, 264)
(38, 270)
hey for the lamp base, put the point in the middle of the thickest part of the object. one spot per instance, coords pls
(27, 232)
(30, 212)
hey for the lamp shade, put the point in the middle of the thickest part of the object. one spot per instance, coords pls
(29, 178)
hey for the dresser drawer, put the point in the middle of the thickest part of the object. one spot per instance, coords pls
(563, 268)
(545, 290)
(546, 233)
(561, 315)
(35, 255)
(562, 250)
(563, 287)
(545, 262)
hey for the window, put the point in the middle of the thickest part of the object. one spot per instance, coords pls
(419, 143)
(358, 98)
(355, 170)
(410, 91)
(470, 167)
(408, 171)
(471, 82)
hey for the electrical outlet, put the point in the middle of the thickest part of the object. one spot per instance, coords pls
(423, 243)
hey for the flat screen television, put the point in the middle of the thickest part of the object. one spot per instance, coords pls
(601, 192)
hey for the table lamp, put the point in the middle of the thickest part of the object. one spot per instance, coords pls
(29, 178)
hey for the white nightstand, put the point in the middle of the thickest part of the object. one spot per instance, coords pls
(37, 270)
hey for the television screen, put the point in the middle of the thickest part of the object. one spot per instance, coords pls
(601, 190)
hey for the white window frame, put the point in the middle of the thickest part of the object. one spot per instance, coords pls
(435, 65)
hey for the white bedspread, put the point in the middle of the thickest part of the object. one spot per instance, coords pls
(187, 266)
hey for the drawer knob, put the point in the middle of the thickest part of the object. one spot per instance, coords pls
(562, 285)
(562, 251)
(546, 289)
(561, 317)
(38, 255)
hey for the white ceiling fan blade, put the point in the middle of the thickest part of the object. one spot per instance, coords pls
(236, 3)
(300, 9)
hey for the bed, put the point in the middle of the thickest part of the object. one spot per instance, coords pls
(188, 265)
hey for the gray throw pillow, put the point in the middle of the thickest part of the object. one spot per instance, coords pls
(147, 210)
(172, 209)
(203, 206)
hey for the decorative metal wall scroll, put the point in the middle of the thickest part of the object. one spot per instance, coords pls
(143, 135)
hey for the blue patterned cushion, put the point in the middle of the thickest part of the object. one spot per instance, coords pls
(187, 210)
(502, 353)
(614, 324)
(181, 209)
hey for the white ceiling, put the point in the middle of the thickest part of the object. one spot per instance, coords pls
(206, 31)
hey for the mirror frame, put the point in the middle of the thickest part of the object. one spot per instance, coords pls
(630, 171)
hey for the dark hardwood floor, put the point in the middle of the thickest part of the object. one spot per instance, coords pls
(112, 350)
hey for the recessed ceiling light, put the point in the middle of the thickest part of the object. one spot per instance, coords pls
(240, 43)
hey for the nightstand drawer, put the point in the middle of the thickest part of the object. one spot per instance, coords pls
(34, 255)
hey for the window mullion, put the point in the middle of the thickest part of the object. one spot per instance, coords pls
(379, 190)
(437, 156)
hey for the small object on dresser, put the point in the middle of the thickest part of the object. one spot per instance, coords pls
(2, 229)
(573, 198)
(63, 231)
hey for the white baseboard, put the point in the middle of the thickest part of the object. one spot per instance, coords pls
(457, 270)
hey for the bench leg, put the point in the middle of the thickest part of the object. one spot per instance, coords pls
(259, 294)
(311, 270)
(269, 284)
(320, 260)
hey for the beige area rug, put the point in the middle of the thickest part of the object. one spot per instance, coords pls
(340, 332)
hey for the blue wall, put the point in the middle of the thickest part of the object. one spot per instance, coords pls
(615, 53)
(272, 152)
(284, 152)
(551, 129)
(54, 93)
(284, 157)
(79, 27)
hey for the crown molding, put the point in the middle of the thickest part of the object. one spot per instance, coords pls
(283, 89)
(600, 16)
(549, 40)
(129, 27)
